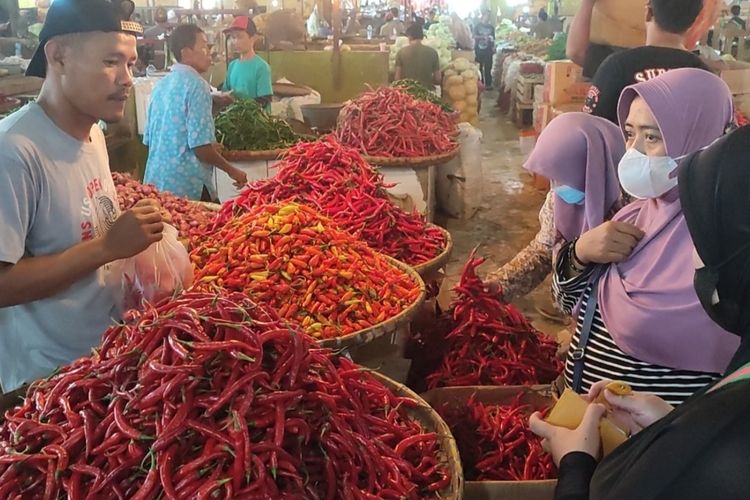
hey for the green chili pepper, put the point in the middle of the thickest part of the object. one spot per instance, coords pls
(419, 91)
(244, 126)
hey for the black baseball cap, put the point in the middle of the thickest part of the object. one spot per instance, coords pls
(82, 16)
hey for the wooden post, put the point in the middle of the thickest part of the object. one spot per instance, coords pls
(337, 27)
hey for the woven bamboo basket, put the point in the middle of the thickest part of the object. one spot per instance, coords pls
(388, 326)
(213, 207)
(414, 162)
(432, 422)
(268, 155)
(432, 265)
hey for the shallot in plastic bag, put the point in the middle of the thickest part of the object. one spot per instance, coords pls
(154, 274)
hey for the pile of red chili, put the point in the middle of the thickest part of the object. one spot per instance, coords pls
(214, 397)
(495, 442)
(339, 183)
(299, 262)
(488, 342)
(191, 219)
(388, 122)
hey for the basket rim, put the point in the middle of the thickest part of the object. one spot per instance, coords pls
(448, 444)
(415, 161)
(247, 154)
(389, 325)
(210, 206)
(440, 260)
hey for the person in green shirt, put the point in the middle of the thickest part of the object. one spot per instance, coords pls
(416, 61)
(249, 76)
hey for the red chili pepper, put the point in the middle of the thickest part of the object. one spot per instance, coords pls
(481, 341)
(346, 264)
(272, 392)
(337, 181)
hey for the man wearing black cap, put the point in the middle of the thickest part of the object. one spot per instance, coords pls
(249, 76)
(58, 205)
(416, 61)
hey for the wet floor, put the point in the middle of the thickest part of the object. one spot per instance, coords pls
(508, 215)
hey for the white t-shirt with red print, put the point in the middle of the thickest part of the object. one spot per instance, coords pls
(55, 192)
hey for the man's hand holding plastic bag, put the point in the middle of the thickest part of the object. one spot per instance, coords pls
(158, 272)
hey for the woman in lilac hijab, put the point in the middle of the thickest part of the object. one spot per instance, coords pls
(578, 153)
(639, 319)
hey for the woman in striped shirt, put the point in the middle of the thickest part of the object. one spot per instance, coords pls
(698, 450)
(646, 325)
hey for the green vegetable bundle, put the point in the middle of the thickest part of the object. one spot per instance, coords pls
(244, 126)
(419, 91)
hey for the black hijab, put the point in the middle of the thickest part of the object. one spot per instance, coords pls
(701, 449)
(715, 195)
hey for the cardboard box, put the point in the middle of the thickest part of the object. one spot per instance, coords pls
(738, 80)
(563, 83)
(542, 116)
(559, 109)
(538, 397)
(538, 94)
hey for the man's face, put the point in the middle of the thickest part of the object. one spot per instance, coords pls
(96, 74)
(199, 56)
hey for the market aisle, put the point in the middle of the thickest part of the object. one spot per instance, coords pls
(508, 217)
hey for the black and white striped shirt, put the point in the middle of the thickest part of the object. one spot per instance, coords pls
(604, 360)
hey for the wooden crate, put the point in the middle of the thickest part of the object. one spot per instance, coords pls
(525, 87)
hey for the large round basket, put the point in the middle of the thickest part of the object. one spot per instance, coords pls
(415, 162)
(432, 422)
(388, 326)
(426, 268)
(268, 155)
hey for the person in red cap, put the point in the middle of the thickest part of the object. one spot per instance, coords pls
(61, 220)
(249, 76)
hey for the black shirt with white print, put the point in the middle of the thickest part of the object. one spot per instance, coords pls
(629, 67)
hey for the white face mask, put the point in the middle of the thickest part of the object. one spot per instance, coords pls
(644, 176)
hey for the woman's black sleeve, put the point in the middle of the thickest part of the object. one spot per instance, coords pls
(576, 470)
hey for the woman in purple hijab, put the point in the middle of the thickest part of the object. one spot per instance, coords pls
(639, 319)
(578, 153)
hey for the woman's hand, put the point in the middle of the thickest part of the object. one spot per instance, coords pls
(610, 242)
(634, 411)
(560, 441)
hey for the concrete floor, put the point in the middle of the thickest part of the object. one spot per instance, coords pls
(508, 217)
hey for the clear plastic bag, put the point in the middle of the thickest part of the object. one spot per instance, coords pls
(154, 274)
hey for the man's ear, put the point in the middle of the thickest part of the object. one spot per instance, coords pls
(649, 13)
(55, 51)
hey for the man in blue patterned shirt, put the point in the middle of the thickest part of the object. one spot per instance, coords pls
(180, 131)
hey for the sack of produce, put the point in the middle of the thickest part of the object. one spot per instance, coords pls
(461, 89)
(459, 182)
(154, 274)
